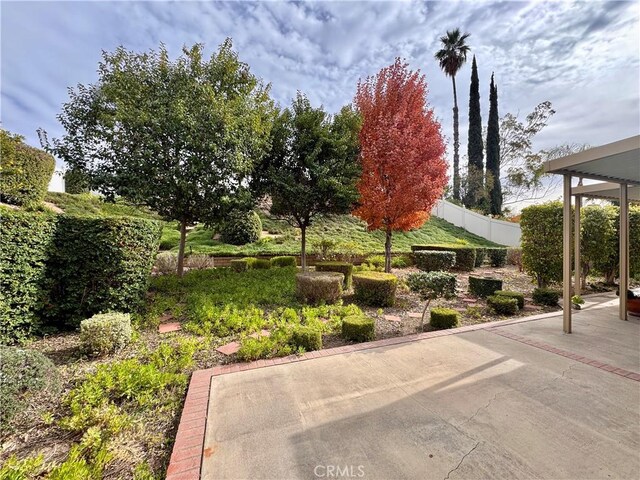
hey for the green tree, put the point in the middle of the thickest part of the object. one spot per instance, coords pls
(475, 150)
(599, 249)
(179, 136)
(451, 57)
(312, 167)
(493, 185)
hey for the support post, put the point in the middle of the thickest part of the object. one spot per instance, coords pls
(624, 250)
(577, 284)
(566, 255)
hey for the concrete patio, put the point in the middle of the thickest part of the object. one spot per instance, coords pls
(504, 401)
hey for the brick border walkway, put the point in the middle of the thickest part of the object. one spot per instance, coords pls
(188, 449)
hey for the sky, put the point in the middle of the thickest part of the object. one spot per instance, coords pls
(584, 57)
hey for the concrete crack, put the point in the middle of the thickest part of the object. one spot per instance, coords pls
(481, 408)
(462, 460)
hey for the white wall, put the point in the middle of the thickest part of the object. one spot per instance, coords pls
(504, 233)
(56, 184)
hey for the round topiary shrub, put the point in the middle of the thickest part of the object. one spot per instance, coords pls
(105, 333)
(239, 265)
(375, 289)
(429, 261)
(481, 254)
(443, 318)
(240, 228)
(307, 338)
(23, 372)
(26, 172)
(283, 262)
(345, 268)
(517, 295)
(546, 296)
(483, 287)
(497, 257)
(503, 305)
(319, 287)
(358, 328)
(465, 256)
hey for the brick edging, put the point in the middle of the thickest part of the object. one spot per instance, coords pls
(187, 455)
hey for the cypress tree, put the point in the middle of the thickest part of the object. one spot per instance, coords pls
(493, 153)
(475, 149)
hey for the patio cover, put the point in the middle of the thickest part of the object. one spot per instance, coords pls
(618, 164)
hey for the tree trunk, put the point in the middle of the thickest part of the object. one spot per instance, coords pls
(183, 238)
(424, 312)
(303, 253)
(387, 251)
(456, 144)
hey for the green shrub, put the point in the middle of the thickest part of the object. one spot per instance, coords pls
(599, 240)
(307, 338)
(443, 318)
(434, 261)
(375, 260)
(403, 261)
(507, 293)
(23, 373)
(432, 285)
(546, 296)
(358, 328)
(483, 287)
(344, 268)
(251, 262)
(26, 240)
(105, 333)
(26, 172)
(76, 181)
(503, 305)
(497, 256)
(239, 265)
(262, 264)
(542, 242)
(375, 289)
(319, 287)
(240, 228)
(465, 256)
(283, 262)
(97, 265)
(481, 254)
(166, 263)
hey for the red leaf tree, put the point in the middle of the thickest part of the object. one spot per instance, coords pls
(404, 171)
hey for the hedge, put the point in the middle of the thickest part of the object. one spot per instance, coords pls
(483, 287)
(26, 172)
(497, 257)
(26, 240)
(503, 305)
(465, 256)
(305, 337)
(546, 296)
(319, 287)
(442, 318)
(239, 265)
(240, 228)
(375, 289)
(345, 268)
(510, 294)
(432, 285)
(481, 255)
(434, 261)
(286, 261)
(358, 328)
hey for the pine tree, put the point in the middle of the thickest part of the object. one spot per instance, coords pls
(475, 169)
(494, 188)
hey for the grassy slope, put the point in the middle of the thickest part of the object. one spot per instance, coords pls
(88, 204)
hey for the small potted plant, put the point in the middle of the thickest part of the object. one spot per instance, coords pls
(577, 301)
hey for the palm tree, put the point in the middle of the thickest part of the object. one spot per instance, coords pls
(452, 56)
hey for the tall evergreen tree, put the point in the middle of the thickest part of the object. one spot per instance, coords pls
(494, 188)
(475, 170)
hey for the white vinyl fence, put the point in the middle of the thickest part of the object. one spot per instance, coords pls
(499, 231)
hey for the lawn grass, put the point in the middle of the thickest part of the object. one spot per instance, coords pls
(90, 204)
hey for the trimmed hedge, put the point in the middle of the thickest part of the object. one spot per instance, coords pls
(481, 255)
(257, 263)
(542, 242)
(345, 268)
(358, 328)
(240, 228)
(546, 296)
(286, 261)
(308, 338)
(26, 240)
(432, 285)
(497, 257)
(375, 289)
(503, 305)
(98, 265)
(443, 318)
(483, 287)
(434, 261)
(319, 287)
(465, 256)
(26, 172)
(510, 294)
(239, 265)
(105, 333)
